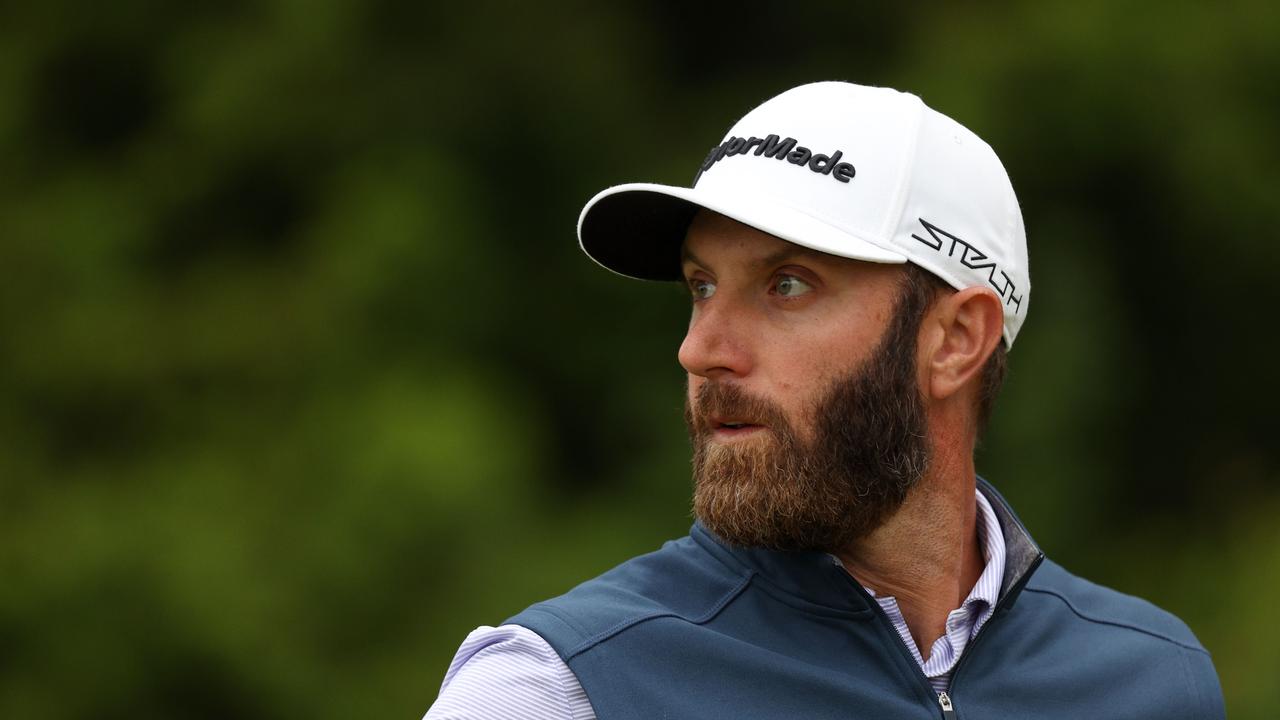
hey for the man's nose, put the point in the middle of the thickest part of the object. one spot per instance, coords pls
(716, 345)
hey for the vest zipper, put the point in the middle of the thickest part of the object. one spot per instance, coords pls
(1002, 602)
(944, 700)
(1001, 606)
(948, 712)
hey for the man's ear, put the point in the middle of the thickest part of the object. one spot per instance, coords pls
(965, 327)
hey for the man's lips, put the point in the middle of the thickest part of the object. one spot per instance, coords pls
(733, 426)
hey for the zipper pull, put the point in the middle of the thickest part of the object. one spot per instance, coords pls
(948, 712)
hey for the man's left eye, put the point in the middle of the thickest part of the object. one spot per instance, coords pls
(791, 286)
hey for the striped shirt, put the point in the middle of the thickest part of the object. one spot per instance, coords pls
(511, 672)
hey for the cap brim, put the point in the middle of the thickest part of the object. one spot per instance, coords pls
(638, 229)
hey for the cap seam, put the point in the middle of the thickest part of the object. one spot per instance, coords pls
(893, 219)
(1013, 215)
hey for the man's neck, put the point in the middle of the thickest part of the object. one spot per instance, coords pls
(927, 555)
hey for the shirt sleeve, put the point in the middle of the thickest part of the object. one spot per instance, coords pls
(509, 672)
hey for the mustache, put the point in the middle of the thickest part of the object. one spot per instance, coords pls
(718, 400)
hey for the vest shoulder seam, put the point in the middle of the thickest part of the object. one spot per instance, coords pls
(552, 612)
(1114, 623)
(633, 621)
(1191, 681)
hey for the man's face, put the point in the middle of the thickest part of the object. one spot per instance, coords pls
(804, 406)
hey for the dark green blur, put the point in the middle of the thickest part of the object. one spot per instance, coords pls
(302, 375)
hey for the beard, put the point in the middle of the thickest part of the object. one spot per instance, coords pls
(869, 448)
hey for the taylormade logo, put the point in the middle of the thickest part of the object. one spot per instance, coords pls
(778, 149)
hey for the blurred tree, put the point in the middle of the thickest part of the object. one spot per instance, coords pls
(303, 376)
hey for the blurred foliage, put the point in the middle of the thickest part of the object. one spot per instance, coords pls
(302, 375)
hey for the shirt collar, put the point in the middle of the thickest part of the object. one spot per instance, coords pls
(987, 589)
(1022, 555)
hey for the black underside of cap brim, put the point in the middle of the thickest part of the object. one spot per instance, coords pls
(638, 233)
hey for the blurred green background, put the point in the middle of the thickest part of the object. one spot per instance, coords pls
(302, 375)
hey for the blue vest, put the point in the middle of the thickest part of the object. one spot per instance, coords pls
(700, 629)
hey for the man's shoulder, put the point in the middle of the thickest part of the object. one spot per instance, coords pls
(1107, 610)
(1060, 615)
(684, 579)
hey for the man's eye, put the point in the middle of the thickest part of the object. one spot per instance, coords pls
(702, 289)
(791, 286)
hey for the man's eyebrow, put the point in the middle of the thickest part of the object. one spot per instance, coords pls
(687, 256)
(789, 252)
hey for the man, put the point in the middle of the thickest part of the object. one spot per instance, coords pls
(858, 270)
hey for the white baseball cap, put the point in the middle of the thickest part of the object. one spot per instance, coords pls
(861, 172)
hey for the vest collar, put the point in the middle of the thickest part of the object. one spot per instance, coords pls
(815, 579)
(1021, 554)
(819, 579)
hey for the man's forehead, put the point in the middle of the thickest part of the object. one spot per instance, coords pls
(712, 234)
